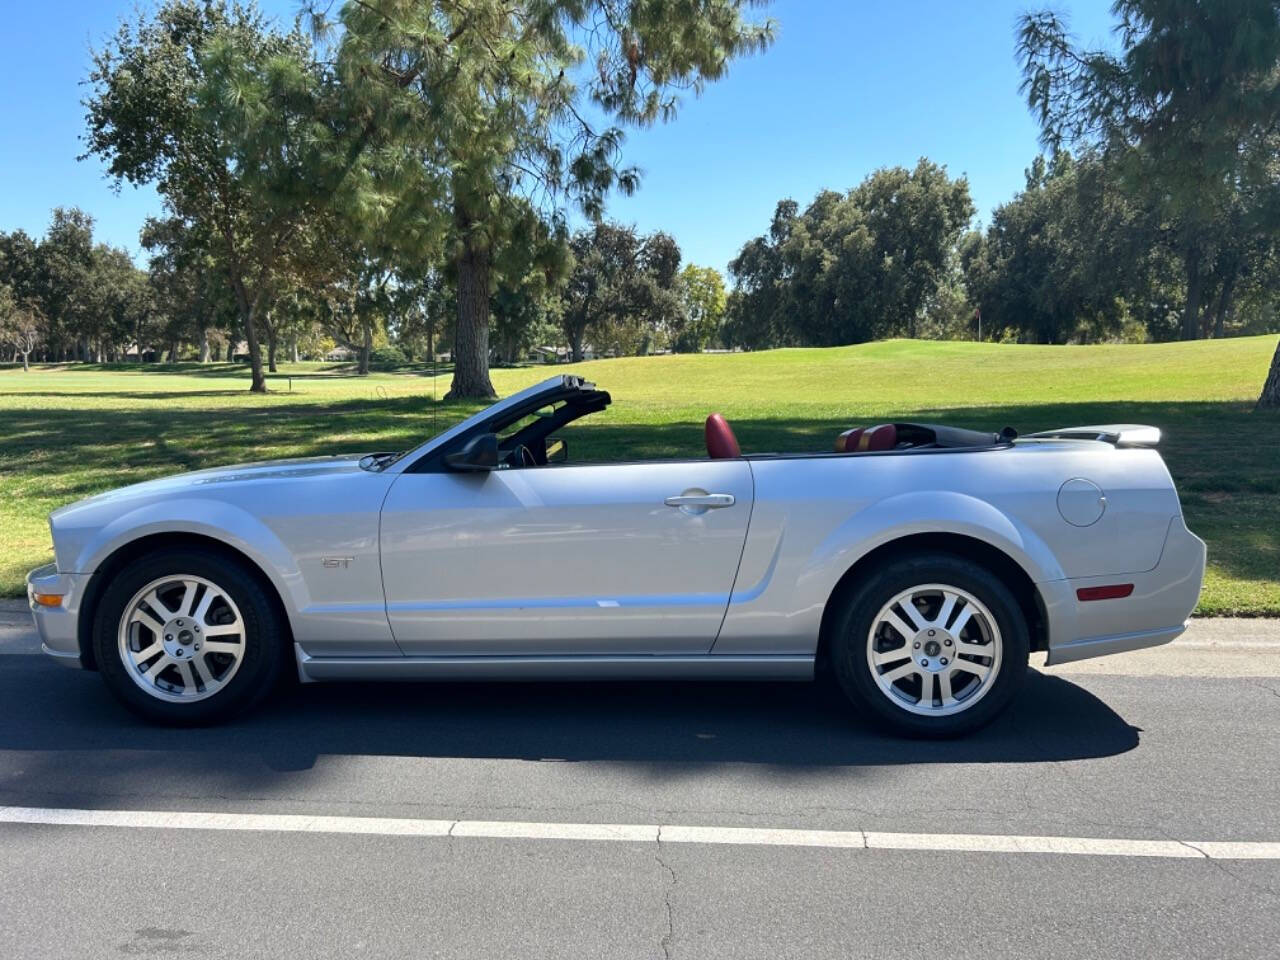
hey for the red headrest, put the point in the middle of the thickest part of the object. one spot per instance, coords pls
(721, 443)
(859, 440)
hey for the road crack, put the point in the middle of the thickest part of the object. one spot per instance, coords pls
(1267, 687)
(666, 940)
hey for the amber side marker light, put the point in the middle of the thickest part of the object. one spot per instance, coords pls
(47, 599)
(1115, 591)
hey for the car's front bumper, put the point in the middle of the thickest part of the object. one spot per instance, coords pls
(1155, 613)
(58, 626)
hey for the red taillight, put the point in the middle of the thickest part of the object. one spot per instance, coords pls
(1113, 591)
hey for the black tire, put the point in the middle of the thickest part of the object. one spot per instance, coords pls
(847, 645)
(265, 644)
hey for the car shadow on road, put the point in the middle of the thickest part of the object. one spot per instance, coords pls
(666, 727)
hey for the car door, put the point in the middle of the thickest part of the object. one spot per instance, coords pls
(574, 559)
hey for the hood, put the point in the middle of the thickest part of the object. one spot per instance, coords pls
(301, 468)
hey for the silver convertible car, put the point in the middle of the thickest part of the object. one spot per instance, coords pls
(917, 566)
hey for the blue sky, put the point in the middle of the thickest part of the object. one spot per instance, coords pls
(849, 86)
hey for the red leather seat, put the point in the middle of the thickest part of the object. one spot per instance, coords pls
(861, 440)
(721, 443)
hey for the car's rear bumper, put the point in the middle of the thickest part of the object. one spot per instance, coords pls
(1156, 612)
(58, 626)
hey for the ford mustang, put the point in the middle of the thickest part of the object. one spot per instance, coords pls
(917, 566)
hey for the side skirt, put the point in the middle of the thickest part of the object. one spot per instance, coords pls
(699, 667)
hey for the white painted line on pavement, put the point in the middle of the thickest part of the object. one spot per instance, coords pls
(646, 833)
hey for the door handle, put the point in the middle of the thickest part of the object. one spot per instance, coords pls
(703, 501)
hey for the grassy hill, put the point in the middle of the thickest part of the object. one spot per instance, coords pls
(68, 432)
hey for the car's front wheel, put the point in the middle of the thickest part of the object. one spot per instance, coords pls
(931, 645)
(187, 636)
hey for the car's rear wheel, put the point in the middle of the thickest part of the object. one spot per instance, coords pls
(931, 645)
(187, 636)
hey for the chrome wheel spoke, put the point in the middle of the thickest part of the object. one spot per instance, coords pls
(141, 656)
(147, 620)
(153, 671)
(962, 621)
(224, 629)
(972, 649)
(156, 604)
(899, 626)
(188, 598)
(202, 671)
(944, 688)
(979, 670)
(188, 679)
(884, 657)
(200, 612)
(221, 646)
(897, 673)
(912, 611)
(926, 688)
(944, 613)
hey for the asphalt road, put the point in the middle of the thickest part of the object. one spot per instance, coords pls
(1178, 746)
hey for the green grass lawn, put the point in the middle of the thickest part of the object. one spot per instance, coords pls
(68, 432)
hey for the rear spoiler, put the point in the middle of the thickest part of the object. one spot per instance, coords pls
(1119, 434)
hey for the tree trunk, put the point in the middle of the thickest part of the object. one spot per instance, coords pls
(1224, 305)
(271, 348)
(1270, 399)
(249, 317)
(293, 345)
(471, 344)
(231, 350)
(258, 382)
(173, 351)
(1195, 282)
(204, 345)
(575, 345)
(366, 347)
(26, 365)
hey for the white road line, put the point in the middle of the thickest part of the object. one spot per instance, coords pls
(646, 833)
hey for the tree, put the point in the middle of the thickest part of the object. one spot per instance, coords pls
(65, 257)
(19, 325)
(758, 312)
(1067, 258)
(499, 99)
(127, 305)
(622, 287)
(20, 267)
(191, 291)
(856, 266)
(702, 289)
(531, 269)
(604, 259)
(426, 301)
(1269, 399)
(234, 122)
(1188, 109)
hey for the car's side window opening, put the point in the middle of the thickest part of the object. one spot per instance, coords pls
(535, 438)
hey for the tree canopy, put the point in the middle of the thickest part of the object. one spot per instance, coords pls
(851, 267)
(509, 103)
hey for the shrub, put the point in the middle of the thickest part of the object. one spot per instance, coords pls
(388, 356)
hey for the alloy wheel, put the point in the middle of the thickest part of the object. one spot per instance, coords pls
(934, 650)
(181, 638)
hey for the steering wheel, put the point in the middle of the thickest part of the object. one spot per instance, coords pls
(521, 456)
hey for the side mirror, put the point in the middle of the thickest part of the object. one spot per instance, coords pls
(480, 453)
(557, 450)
